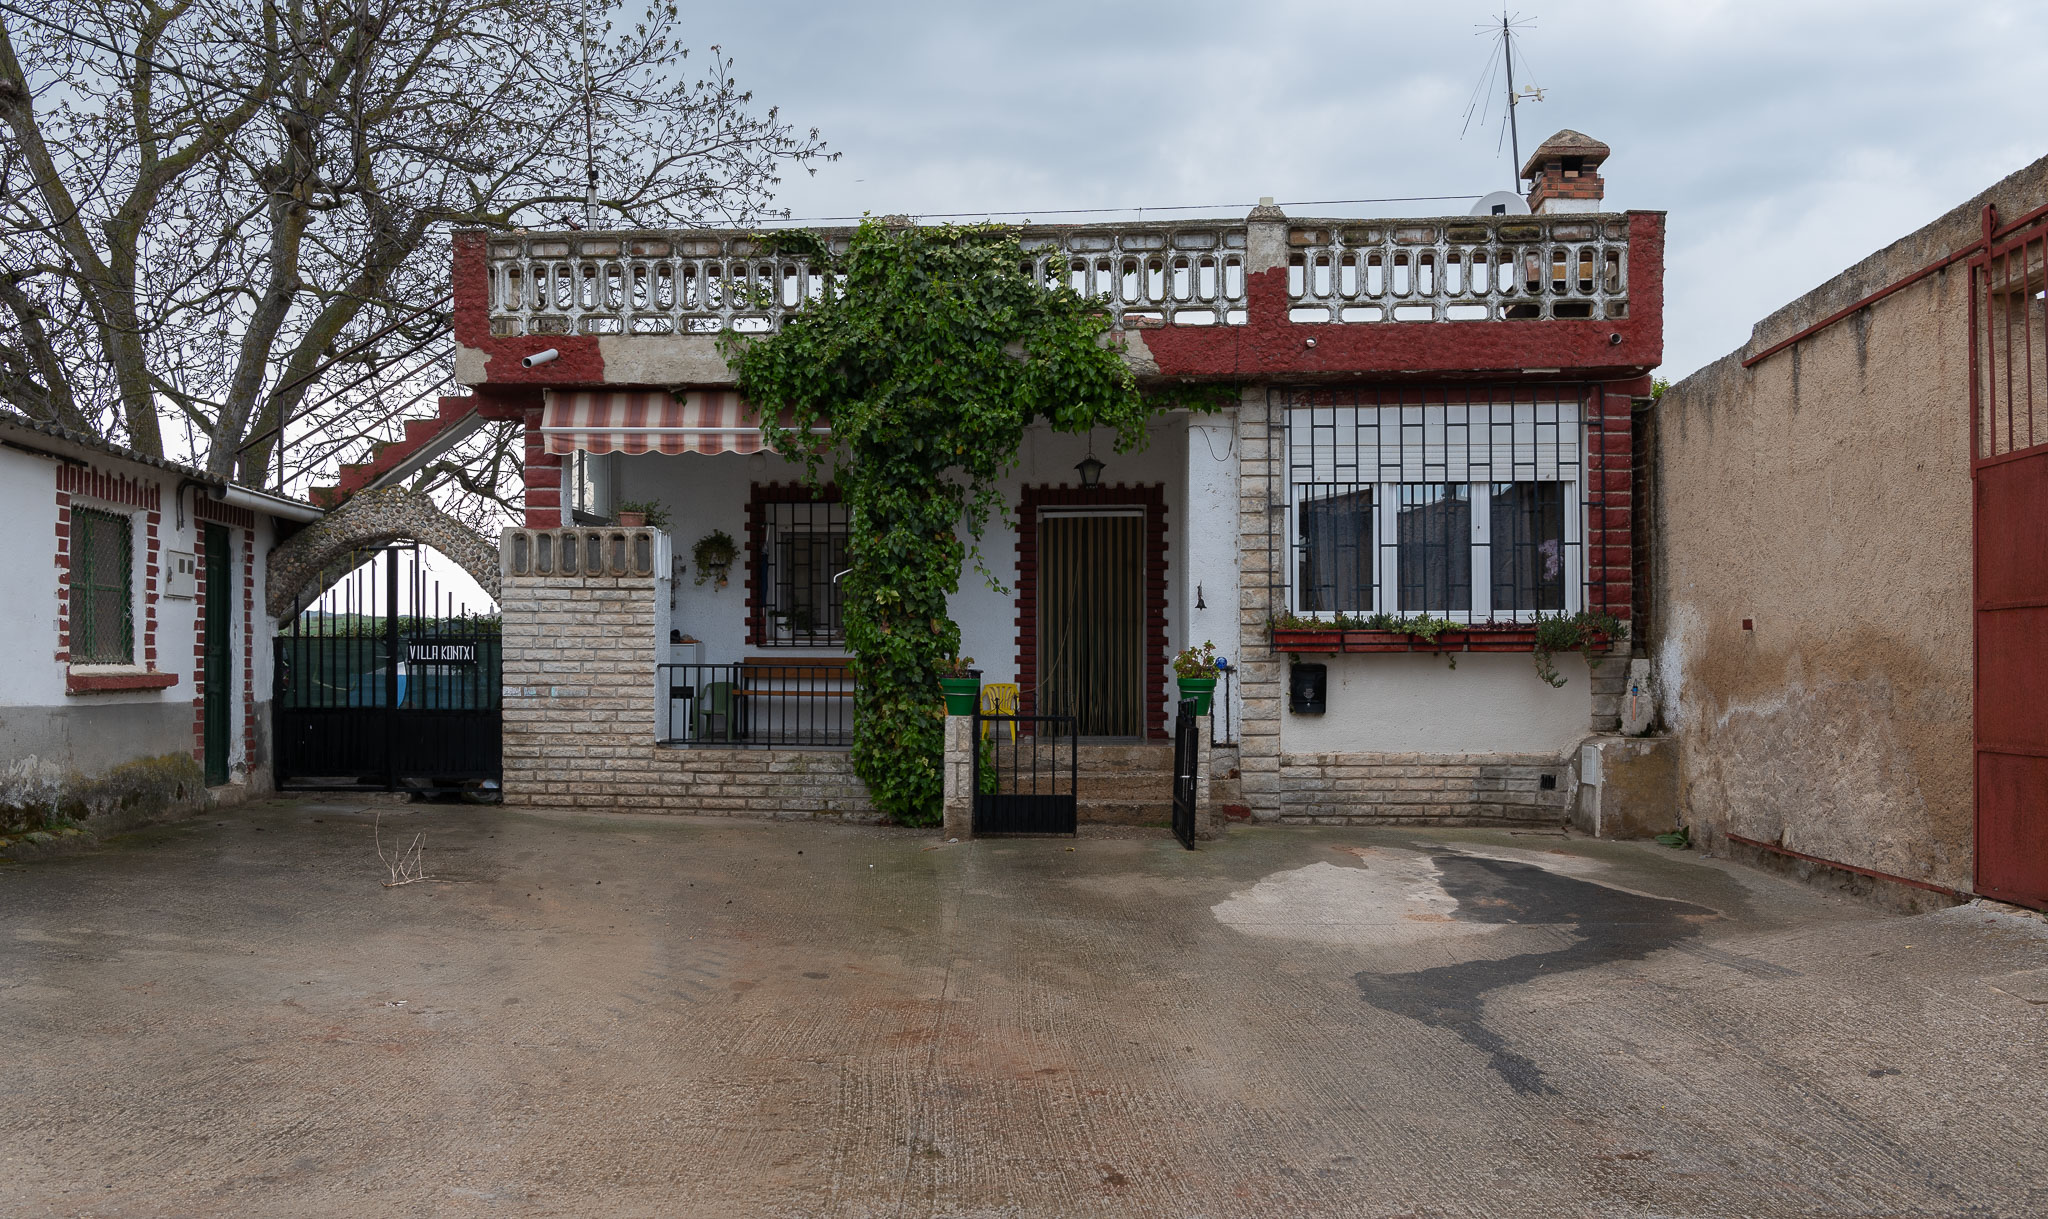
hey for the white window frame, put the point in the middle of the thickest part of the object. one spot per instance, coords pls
(1386, 531)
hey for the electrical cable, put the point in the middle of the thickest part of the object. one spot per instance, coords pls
(1174, 207)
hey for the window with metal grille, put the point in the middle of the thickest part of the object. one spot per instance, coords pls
(799, 547)
(102, 602)
(1406, 502)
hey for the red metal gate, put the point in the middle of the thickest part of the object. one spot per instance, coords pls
(2009, 469)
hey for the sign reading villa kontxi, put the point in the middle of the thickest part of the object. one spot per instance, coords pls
(442, 652)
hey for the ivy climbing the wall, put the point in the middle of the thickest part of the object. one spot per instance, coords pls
(929, 355)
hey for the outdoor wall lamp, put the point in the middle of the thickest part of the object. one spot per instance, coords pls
(1088, 467)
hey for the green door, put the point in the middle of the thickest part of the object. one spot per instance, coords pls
(219, 620)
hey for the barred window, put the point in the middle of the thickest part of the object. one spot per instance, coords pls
(1467, 510)
(1528, 545)
(102, 600)
(798, 548)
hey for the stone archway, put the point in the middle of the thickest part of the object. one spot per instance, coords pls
(321, 553)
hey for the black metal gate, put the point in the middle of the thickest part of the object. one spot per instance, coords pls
(371, 698)
(1186, 761)
(1026, 772)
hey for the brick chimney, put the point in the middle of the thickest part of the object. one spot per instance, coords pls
(1564, 174)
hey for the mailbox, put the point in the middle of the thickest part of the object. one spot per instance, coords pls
(1308, 689)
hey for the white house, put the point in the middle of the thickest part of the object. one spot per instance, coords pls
(139, 664)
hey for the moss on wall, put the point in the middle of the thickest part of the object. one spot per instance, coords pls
(38, 796)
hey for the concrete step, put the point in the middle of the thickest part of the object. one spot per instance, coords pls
(1149, 755)
(1130, 785)
(1124, 812)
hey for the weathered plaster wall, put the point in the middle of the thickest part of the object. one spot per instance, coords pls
(1824, 495)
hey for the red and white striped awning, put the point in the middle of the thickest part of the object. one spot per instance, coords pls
(603, 421)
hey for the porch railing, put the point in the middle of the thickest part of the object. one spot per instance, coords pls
(1475, 269)
(1148, 273)
(754, 706)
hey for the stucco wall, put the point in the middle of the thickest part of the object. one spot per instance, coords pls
(45, 724)
(1490, 703)
(1824, 496)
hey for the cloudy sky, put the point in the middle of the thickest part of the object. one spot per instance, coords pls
(1786, 138)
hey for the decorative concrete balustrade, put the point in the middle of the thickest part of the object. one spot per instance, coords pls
(1149, 274)
(1480, 268)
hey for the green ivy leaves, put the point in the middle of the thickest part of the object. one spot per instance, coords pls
(928, 357)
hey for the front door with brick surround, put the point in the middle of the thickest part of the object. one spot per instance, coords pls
(1091, 607)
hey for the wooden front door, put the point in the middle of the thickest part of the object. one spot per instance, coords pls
(1091, 619)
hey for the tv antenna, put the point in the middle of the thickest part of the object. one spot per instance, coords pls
(1481, 104)
(589, 126)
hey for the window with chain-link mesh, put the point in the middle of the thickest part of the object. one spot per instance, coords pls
(102, 601)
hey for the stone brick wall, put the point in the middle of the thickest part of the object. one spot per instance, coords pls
(580, 717)
(1260, 675)
(1455, 789)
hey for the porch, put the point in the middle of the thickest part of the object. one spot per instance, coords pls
(1071, 602)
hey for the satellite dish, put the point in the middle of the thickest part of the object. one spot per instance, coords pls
(1501, 203)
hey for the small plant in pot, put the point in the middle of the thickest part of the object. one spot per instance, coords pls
(636, 514)
(1197, 669)
(962, 683)
(713, 554)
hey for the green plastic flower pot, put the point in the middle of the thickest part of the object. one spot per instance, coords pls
(963, 694)
(1201, 689)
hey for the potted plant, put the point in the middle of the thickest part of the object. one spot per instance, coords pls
(713, 554)
(636, 514)
(1197, 669)
(962, 683)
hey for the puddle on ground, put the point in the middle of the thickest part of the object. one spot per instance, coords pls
(1500, 913)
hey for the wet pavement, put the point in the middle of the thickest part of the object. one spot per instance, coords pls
(663, 1016)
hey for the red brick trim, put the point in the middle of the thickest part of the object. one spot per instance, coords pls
(86, 482)
(761, 495)
(1152, 498)
(63, 573)
(110, 488)
(543, 477)
(199, 583)
(204, 509)
(151, 570)
(1610, 474)
(102, 683)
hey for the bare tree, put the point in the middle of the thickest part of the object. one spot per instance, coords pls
(223, 222)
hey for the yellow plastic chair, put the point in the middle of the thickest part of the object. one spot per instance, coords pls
(999, 698)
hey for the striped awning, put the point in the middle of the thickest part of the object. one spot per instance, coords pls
(709, 421)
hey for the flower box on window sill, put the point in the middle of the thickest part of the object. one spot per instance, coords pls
(114, 679)
(1509, 637)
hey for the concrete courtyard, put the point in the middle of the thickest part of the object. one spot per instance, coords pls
(659, 1016)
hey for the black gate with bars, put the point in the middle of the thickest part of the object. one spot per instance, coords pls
(1186, 761)
(382, 686)
(1026, 774)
